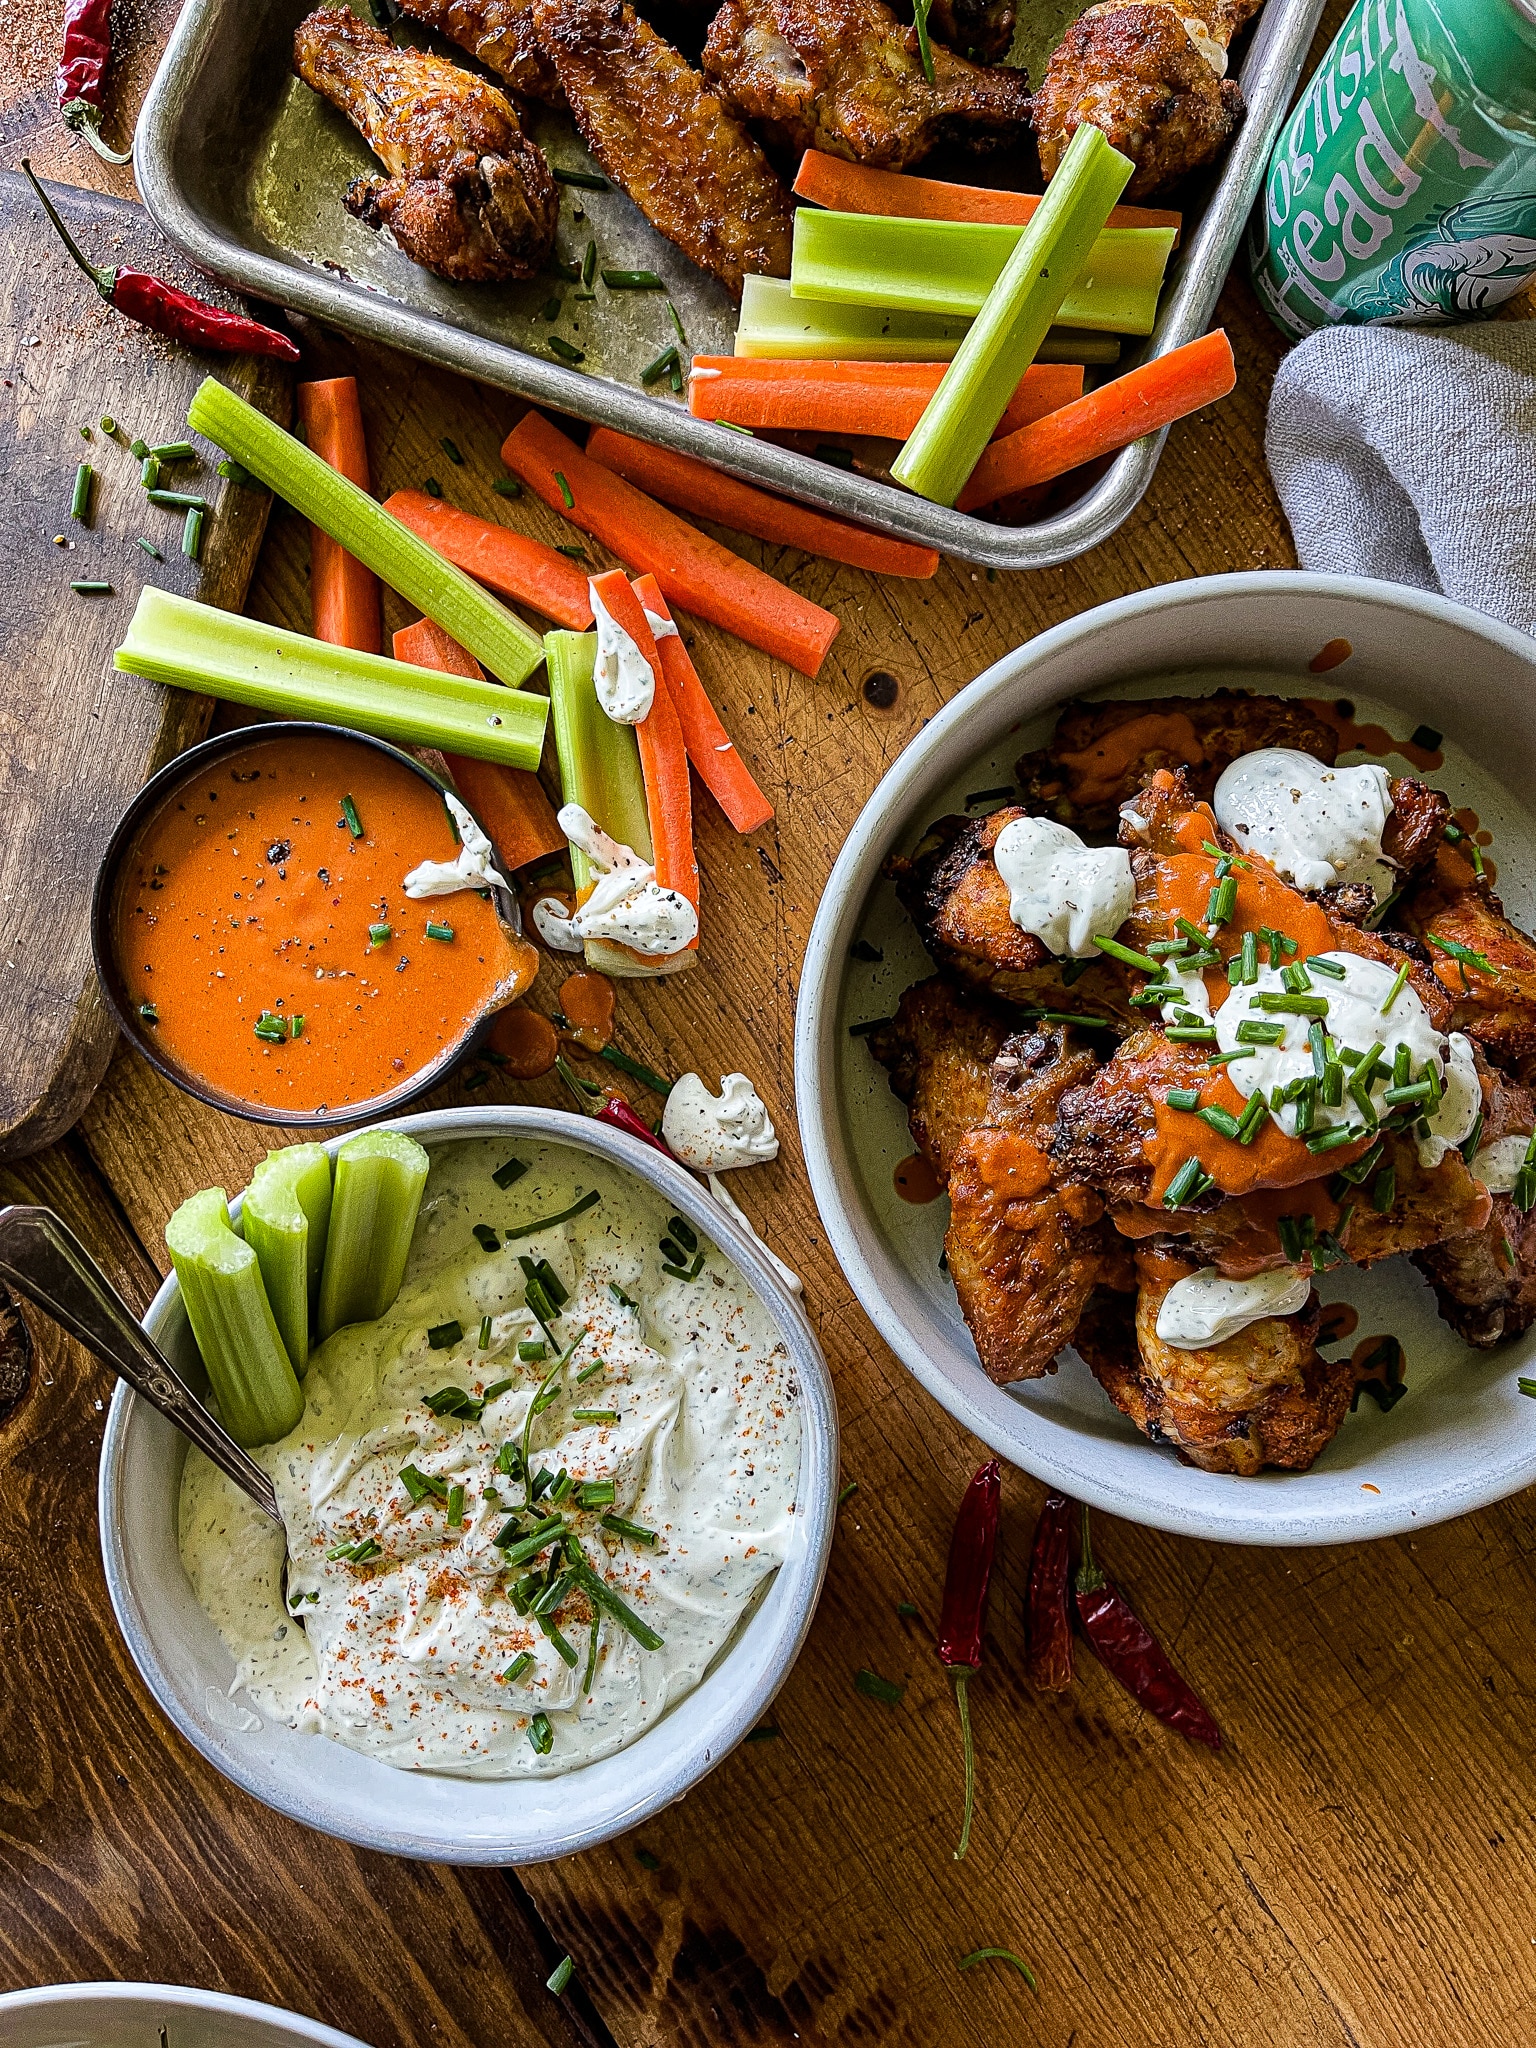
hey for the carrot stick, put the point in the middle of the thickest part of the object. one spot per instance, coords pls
(697, 573)
(810, 396)
(719, 767)
(694, 487)
(343, 594)
(858, 188)
(1111, 417)
(513, 564)
(663, 756)
(509, 802)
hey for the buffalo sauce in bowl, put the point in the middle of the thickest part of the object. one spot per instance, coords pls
(264, 952)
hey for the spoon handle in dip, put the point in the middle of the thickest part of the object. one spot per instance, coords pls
(42, 1258)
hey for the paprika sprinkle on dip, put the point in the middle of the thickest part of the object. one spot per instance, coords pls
(261, 911)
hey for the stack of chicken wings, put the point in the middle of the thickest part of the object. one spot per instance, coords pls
(470, 197)
(1053, 1138)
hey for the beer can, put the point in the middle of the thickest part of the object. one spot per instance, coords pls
(1402, 189)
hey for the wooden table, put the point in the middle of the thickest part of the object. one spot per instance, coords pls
(1356, 1868)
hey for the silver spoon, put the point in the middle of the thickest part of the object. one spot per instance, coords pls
(42, 1258)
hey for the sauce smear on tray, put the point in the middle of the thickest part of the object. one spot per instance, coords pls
(264, 928)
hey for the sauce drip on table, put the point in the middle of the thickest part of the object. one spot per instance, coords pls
(248, 901)
(587, 1002)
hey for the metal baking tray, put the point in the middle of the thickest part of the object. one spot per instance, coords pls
(243, 168)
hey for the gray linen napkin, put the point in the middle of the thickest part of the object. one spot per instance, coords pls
(1410, 454)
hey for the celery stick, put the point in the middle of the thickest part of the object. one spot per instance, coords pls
(195, 646)
(284, 1218)
(774, 322)
(249, 1371)
(379, 1179)
(451, 599)
(600, 770)
(946, 268)
(958, 421)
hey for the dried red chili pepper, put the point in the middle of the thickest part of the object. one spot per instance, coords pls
(1048, 1599)
(84, 55)
(159, 306)
(972, 1548)
(616, 1111)
(1131, 1653)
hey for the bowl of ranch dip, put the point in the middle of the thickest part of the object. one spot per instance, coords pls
(556, 1521)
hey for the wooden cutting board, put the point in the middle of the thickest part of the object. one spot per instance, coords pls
(76, 738)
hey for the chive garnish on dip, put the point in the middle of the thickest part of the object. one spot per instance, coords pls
(1223, 902)
(1219, 1120)
(349, 812)
(541, 1734)
(1190, 1181)
(485, 1237)
(1183, 1098)
(578, 1208)
(509, 1171)
(1289, 1004)
(1128, 957)
(522, 1662)
(438, 931)
(443, 1336)
(1463, 955)
(1330, 968)
(874, 1687)
(633, 1532)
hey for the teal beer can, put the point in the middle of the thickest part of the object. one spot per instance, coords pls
(1403, 187)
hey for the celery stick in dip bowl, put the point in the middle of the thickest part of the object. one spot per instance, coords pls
(556, 1520)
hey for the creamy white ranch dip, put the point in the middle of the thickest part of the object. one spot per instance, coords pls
(1316, 826)
(628, 904)
(624, 679)
(714, 1133)
(471, 867)
(1206, 1309)
(1498, 1165)
(1365, 1008)
(684, 1402)
(1061, 890)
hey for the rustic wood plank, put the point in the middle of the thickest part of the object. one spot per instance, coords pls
(79, 738)
(123, 1854)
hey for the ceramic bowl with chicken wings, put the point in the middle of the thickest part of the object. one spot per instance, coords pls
(1167, 1058)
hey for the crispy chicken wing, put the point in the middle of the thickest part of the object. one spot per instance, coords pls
(501, 35)
(660, 131)
(938, 1050)
(845, 76)
(1150, 74)
(1497, 1010)
(468, 196)
(1026, 1244)
(1262, 1398)
(1485, 1281)
(951, 890)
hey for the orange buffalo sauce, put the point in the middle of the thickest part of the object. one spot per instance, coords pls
(1101, 769)
(246, 892)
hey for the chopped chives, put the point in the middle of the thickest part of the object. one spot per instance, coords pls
(451, 451)
(1463, 954)
(1474, 1138)
(192, 534)
(1225, 1059)
(563, 1485)
(149, 1013)
(1071, 1017)
(1526, 1386)
(616, 1525)
(532, 1352)
(509, 1171)
(150, 549)
(677, 322)
(1289, 1004)
(561, 1974)
(575, 550)
(380, 934)
(665, 362)
(149, 472)
(632, 281)
(507, 487)
(577, 1208)
(1317, 1043)
(1191, 1034)
(874, 1687)
(523, 1661)
(594, 1415)
(1223, 901)
(589, 265)
(588, 180)
(1384, 1190)
(138, 448)
(1252, 1120)
(443, 1336)
(1160, 948)
(91, 587)
(1294, 979)
(1128, 956)
(1250, 957)
(566, 350)
(1339, 1134)
(485, 1237)
(349, 812)
(1252, 1031)
(108, 424)
(588, 1371)
(1523, 1194)
(1402, 1064)
(432, 487)
(1333, 1084)
(178, 501)
(173, 451)
(498, 1387)
(1184, 1185)
(525, 1550)
(484, 1340)
(541, 1734)
(1183, 1098)
(1398, 985)
(1328, 968)
(455, 1507)
(80, 500)
(438, 931)
(271, 1028)
(595, 1493)
(1219, 1120)
(565, 490)
(238, 474)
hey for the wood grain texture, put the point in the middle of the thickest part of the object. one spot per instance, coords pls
(78, 739)
(1355, 1871)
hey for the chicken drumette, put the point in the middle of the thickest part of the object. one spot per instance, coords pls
(661, 132)
(845, 76)
(501, 35)
(1152, 76)
(468, 195)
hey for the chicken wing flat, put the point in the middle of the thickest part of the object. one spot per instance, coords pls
(1100, 755)
(1150, 74)
(468, 197)
(953, 893)
(845, 76)
(663, 135)
(1026, 1244)
(1262, 1398)
(501, 35)
(1488, 965)
(1485, 1281)
(938, 1050)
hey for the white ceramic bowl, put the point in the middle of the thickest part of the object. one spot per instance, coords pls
(132, 2015)
(187, 1667)
(1464, 1436)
